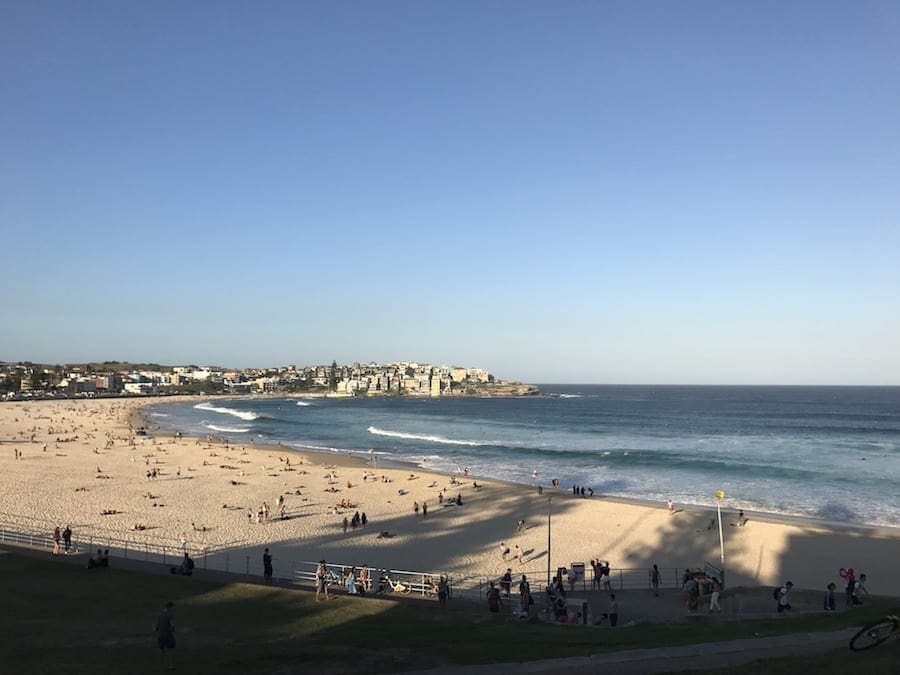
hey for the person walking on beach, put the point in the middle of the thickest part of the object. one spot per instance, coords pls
(165, 635)
(267, 566)
(654, 580)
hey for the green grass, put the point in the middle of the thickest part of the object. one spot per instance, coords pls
(63, 618)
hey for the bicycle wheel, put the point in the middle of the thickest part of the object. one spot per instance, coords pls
(874, 634)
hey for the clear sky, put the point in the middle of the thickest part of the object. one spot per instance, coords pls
(596, 192)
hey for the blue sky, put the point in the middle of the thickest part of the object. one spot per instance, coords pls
(609, 192)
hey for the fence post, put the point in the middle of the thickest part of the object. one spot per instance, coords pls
(248, 565)
(621, 587)
(226, 561)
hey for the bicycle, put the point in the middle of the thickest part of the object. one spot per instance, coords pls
(875, 633)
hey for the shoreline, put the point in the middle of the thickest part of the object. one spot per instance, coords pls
(730, 511)
(82, 465)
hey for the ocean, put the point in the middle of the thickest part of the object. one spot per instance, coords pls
(830, 453)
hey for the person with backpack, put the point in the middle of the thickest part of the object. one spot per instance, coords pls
(783, 596)
(859, 587)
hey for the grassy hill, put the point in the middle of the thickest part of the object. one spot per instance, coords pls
(60, 617)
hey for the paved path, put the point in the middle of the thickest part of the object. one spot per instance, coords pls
(668, 659)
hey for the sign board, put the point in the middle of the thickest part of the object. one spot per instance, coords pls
(577, 571)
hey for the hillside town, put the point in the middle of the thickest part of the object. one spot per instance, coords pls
(25, 380)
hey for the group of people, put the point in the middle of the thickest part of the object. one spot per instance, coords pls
(583, 491)
(854, 589)
(358, 520)
(99, 559)
(601, 575)
(65, 536)
(524, 596)
(694, 585)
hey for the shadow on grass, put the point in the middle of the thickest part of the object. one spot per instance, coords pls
(69, 619)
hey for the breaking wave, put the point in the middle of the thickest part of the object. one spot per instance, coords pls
(242, 414)
(420, 437)
(230, 430)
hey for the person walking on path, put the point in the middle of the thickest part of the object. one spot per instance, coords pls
(364, 579)
(493, 599)
(654, 580)
(444, 590)
(267, 566)
(321, 586)
(784, 597)
(56, 536)
(165, 635)
(829, 604)
(714, 598)
(859, 589)
(613, 610)
(67, 538)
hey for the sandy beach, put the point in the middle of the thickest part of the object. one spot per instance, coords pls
(81, 462)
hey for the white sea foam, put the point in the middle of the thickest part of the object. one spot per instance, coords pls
(156, 414)
(242, 414)
(421, 437)
(303, 403)
(570, 395)
(230, 430)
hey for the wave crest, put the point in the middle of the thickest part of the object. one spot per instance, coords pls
(421, 437)
(242, 414)
(230, 430)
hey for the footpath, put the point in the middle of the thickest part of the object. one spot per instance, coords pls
(668, 659)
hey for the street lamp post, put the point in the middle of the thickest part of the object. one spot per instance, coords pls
(719, 496)
(549, 503)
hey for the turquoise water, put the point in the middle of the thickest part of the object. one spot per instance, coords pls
(822, 452)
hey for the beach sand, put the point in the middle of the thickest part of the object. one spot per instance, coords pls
(94, 462)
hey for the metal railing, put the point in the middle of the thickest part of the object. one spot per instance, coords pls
(34, 540)
(620, 579)
(221, 559)
(423, 584)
